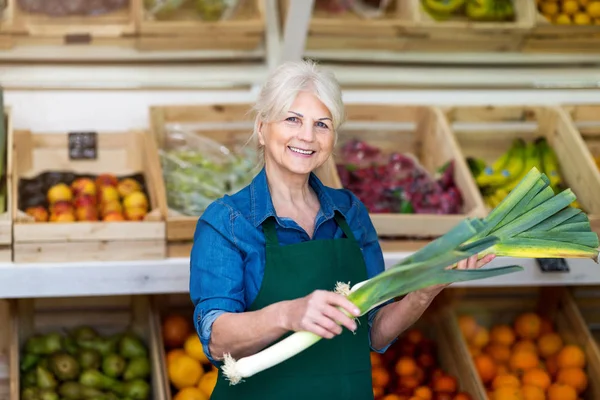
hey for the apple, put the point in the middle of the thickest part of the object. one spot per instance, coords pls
(59, 192)
(135, 213)
(112, 206)
(61, 207)
(83, 186)
(108, 194)
(128, 186)
(84, 200)
(136, 200)
(113, 216)
(38, 212)
(65, 217)
(86, 213)
(104, 180)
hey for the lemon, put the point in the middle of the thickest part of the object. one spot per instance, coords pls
(562, 19)
(549, 8)
(193, 348)
(593, 9)
(190, 393)
(184, 372)
(582, 19)
(570, 7)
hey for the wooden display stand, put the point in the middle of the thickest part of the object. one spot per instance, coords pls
(118, 153)
(546, 37)
(6, 227)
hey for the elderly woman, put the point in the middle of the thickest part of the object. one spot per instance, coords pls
(266, 259)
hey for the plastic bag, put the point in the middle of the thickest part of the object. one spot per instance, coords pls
(207, 10)
(198, 170)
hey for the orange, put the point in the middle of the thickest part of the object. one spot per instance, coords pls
(552, 365)
(414, 336)
(423, 392)
(571, 356)
(532, 393)
(445, 383)
(409, 382)
(474, 351)
(468, 326)
(502, 335)
(391, 397)
(526, 345)
(208, 382)
(481, 338)
(549, 344)
(376, 359)
(537, 377)
(462, 396)
(377, 391)
(380, 376)
(175, 330)
(193, 348)
(507, 393)
(406, 366)
(190, 393)
(500, 353)
(184, 371)
(574, 377)
(559, 391)
(506, 380)
(486, 367)
(521, 361)
(547, 326)
(171, 355)
(502, 369)
(528, 325)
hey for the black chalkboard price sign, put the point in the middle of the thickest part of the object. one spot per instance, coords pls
(552, 264)
(83, 145)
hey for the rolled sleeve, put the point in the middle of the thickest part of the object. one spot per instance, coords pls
(216, 271)
(373, 256)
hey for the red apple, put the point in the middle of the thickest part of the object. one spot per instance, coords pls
(83, 186)
(38, 212)
(85, 200)
(128, 186)
(106, 180)
(59, 192)
(61, 207)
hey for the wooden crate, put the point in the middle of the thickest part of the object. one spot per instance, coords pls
(4, 350)
(114, 29)
(121, 154)
(546, 37)
(185, 30)
(588, 302)
(502, 306)
(422, 131)
(487, 132)
(228, 124)
(108, 315)
(6, 228)
(462, 35)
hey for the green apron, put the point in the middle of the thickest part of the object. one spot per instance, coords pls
(332, 369)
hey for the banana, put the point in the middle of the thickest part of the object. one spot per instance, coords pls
(476, 166)
(513, 168)
(549, 163)
(531, 159)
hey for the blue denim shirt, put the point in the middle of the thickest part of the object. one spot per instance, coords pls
(228, 256)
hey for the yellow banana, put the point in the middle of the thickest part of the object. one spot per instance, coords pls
(512, 167)
(530, 159)
(549, 163)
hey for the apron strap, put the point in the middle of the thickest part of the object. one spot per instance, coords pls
(271, 233)
(341, 221)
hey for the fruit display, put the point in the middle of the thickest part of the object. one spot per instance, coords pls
(474, 10)
(84, 364)
(497, 180)
(570, 12)
(526, 359)
(409, 370)
(61, 8)
(207, 10)
(198, 170)
(191, 375)
(396, 183)
(67, 197)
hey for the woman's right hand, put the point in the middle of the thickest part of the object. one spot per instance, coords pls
(318, 313)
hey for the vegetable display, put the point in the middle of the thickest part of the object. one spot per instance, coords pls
(396, 183)
(531, 222)
(570, 12)
(207, 10)
(84, 364)
(475, 10)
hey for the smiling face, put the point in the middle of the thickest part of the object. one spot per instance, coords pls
(300, 141)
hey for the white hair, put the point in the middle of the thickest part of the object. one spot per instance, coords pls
(283, 85)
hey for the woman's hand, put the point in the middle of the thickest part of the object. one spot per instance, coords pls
(318, 313)
(427, 294)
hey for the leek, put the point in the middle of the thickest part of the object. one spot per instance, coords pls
(531, 222)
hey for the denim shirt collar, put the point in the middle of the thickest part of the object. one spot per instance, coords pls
(262, 204)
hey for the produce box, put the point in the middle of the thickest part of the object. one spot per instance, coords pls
(543, 137)
(390, 157)
(42, 22)
(565, 27)
(336, 27)
(201, 25)
(6, 156)
(467, 29)
(204, 153)
(78, 347)
(85, 198)
(184, 367)
(587, 299)
(423, 364)
(526, 343)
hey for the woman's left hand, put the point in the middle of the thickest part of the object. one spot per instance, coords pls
(428, 293)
